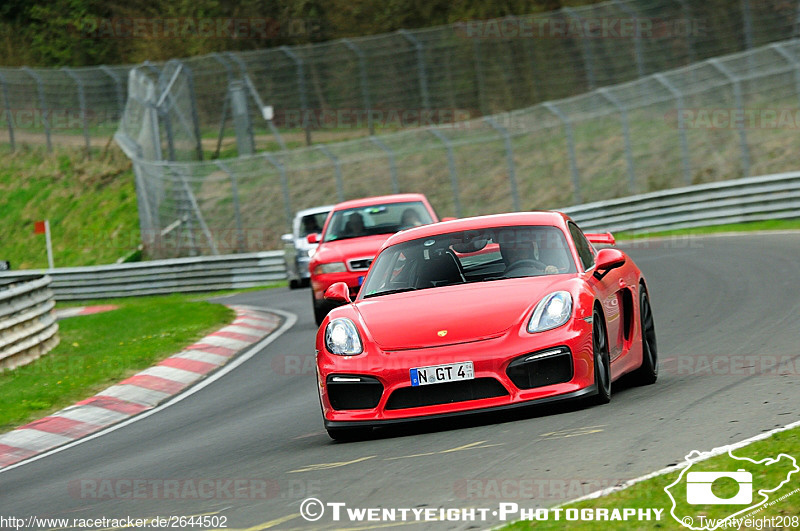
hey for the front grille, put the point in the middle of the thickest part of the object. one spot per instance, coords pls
(545, 367)
(445, 393)
(362, 264)
(352, 391)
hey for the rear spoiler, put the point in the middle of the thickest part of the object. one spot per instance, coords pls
(605, 238)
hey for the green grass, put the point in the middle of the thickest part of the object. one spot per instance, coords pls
(773, 224)
(651, 494)
(91, 205)
(96, 351)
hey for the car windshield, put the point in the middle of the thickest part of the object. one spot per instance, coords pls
(312, 223)
(375, 219)
(491, 254)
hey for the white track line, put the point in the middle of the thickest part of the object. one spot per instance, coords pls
(291, 319)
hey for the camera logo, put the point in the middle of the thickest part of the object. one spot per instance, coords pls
(698, 488)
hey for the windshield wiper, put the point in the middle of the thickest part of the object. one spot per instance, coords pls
(389, 292)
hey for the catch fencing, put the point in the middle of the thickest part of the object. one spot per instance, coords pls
(720, 119)
(28, 328)
(214, 105)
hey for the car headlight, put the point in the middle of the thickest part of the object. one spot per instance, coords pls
(341, 337)
(552, 311)
(332, 267)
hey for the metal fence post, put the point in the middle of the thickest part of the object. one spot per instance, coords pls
(237, 212)
(225, 102)
(301, 87)
(573, 161)
(254, 93)
(82, 103)
(588, 58)
(795, 62)
(284, 186)
(512, 174)
(421, 70)
(686, 11)
(626, 135)
(392, 162)
(796, 27)
(193, 108)
(737, 95)
(117, 87)
(43, 103)
(747, 24)
(337, 167)
(241, 119)
(476, 49)
(9, 114)
(451, 164)
(637, 39)
(687, 168)
(364, 82)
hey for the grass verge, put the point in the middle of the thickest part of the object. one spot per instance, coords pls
(91, 205)
(773, 224)
(776, 513)
(99, 350)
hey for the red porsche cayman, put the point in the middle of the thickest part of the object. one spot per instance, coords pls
(482, 313)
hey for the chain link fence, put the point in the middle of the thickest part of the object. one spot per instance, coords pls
(355, 87)
(719, 119)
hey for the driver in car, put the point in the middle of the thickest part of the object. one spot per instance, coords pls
(521, 257)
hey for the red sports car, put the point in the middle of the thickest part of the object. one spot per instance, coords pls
(353, 233)
(482, 313)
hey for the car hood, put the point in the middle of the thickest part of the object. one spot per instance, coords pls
(343, 250)
(453, 314)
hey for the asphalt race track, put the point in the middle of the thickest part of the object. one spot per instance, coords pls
(726, 312)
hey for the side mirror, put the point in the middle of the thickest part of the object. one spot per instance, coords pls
(608, 259)
(338, 292)
(312, 238)
(287, 238)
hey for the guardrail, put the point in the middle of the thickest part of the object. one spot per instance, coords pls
(741, 200)
(156, 277)
(28, 328)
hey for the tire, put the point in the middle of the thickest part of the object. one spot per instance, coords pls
(349, 434)
(602, 361)
(320, 310)
(294, 284)
(647, 373)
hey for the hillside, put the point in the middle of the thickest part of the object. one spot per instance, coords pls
(91, 205)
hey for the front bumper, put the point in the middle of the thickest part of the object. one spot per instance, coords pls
(494, 388)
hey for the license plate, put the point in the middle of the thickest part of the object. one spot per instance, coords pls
(451, 372)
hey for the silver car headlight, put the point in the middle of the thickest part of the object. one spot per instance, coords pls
(341, 337)
(552, 311)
